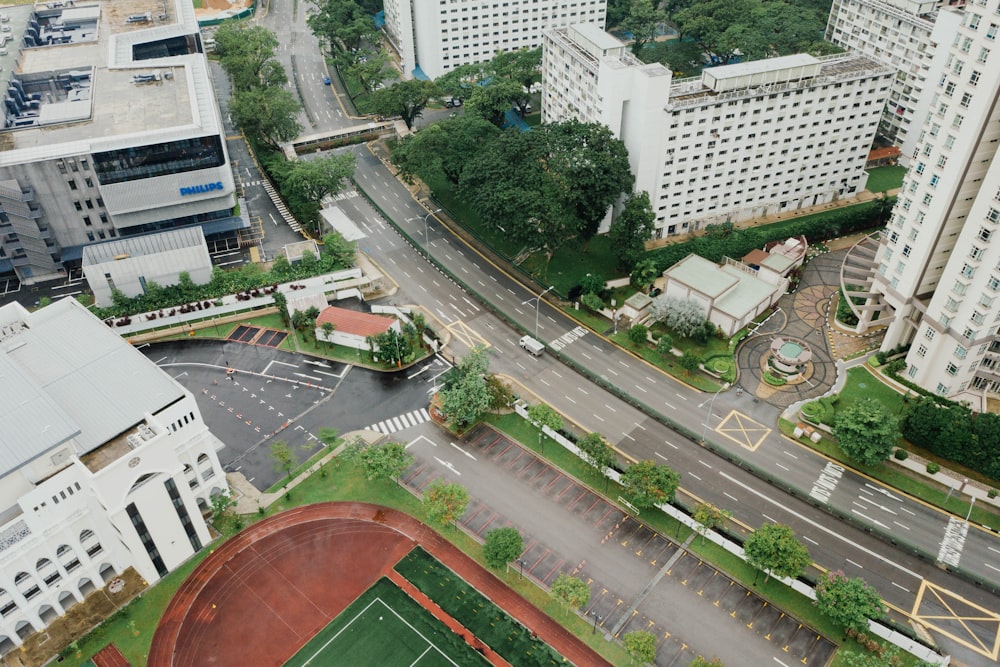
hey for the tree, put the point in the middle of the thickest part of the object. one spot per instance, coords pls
(522, 67)
(637, 333)
(866, 431)
(492, 101)
(596, 452)
(569, 591)
(592, 302)
(444, 147)
(702, 661)
(665, 345)
(406, 99)
(222, 508)
(684, 317)
(465, 395)
(593, 283)
(544, 415)
(370, 68)
(501, 395)
(710, 517)
(643, 21)
(689, 363)
(338, 250)
(281, 303)
(341, 24)
(631, 229)
(284, 459)
(502, 545)
(327, 328)
(848, 602)
(445, 502)
(640, 645)
(268, 114)
(386, 461)
(321, 177)
(647, 484)
(773, 549)
(247, 53)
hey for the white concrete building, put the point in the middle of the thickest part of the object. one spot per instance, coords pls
(110, 128)
(105, 464)
(738, 142)
(435, 36)
(934, 279)
(896, 33)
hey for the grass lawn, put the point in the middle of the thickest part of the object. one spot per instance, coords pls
(386, 627)
(862, 384)
(669, 363)
(571, 263)
(883, 179)
(477, 613)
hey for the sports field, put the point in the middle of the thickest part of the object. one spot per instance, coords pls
(386, 627)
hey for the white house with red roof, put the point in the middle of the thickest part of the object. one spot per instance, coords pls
(351, 327)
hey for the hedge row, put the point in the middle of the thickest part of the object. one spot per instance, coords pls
(956, 433)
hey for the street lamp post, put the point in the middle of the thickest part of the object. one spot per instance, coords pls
(424, 218)
(711, 404)
(520, 561)
(597, 619)
(538, 304)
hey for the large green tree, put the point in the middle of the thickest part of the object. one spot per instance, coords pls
(247, 53)
(269, 114)
(596, 452)
(443, 147)
(406, 99)
(640, 645)
(848, 602)
(647, 484)
(631, 229)
(465, 395)
(385, 461)
(369, 67)
(445, 502)
(709, 517)
(341, 25)
(321, 177)
(502, 546)
(492, 101)
(867, 431)
(550, 185)
(773, 549)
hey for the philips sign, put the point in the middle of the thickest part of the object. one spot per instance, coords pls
(201, 189)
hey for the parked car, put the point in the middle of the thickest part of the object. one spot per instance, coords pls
(452, 103)
(326, 81)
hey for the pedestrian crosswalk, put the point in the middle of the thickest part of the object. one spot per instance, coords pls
(402, 421)
(567, 338)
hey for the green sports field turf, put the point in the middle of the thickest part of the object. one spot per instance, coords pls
(383, 628)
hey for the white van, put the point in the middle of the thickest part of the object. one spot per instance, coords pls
(531, 345)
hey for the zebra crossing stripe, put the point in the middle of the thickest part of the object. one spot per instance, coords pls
(424, 415)
(398, 423)
(395, 422)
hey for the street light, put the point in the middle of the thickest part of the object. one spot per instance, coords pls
(597, 619)
(424, 218)
(520, 561)
(538, 303)
(711, 403)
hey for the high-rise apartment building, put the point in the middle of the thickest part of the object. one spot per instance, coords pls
(105, 465)
(435, 36)
(738, 142)
(896, 33)
(109, 128)
(935, 278)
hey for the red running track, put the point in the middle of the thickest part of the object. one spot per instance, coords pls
(264, 593)
(110, 656)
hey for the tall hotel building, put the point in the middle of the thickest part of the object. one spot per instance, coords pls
(935, 277)
(435, 36)
(896, 33)
(105, 465)
(110, 128)
(738, 142)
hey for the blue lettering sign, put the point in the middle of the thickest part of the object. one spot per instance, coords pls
(201, 189)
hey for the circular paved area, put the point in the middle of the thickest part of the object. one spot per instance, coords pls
(264, 593)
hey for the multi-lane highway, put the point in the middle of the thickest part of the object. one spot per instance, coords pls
(963, 617)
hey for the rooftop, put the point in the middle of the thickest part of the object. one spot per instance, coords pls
(701, 275)
(354, 322)
(138, 246)
(64, 375)
(97, 76)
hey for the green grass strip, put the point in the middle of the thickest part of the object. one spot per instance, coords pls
(384, 626)
(492, 625)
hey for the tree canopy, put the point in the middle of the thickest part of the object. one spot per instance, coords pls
(569, 591)
(406, 99)
(773, 549)
(247, 53)
(848, 602)
(642, 21)
(631, 229)
(270, 114)
(596, 452)
(321, 177)
(502, 546)
(385, 461)
(866, 431)
(549, 185)
(444, 146)
(647, 484)
(445, 502)
(465, 395)
(640, 645)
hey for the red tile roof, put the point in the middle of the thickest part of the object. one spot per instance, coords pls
(353, 322)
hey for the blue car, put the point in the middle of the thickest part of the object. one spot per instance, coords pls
(326, 81)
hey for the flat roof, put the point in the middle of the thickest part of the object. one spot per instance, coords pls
(596, 36)
(701, 275)
(765, 65)
(64, 375)
(747, 294)
(146, 244)
(131, 102)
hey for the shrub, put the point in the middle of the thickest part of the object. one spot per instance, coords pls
(821, 410)
(992, 493)
(901, 454)
(933, 468)
(895, 367)
(637, 334)
(774, 380)
(592, 302)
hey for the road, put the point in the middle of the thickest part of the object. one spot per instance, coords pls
(911, 583)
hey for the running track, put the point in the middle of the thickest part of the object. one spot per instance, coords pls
(264, 593)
